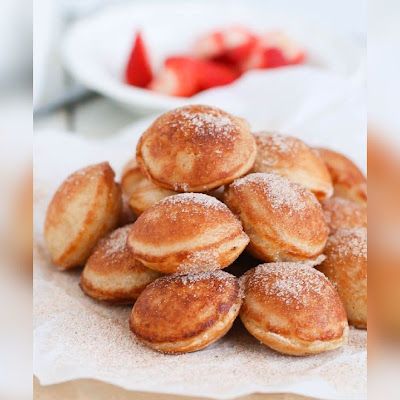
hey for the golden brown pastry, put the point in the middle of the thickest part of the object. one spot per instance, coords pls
(139, 190)
(185, 313)
(293, 159)
(142, 193)
(348, 181)
(85, 207)
(188, 232)
(293, 308)
(196, 148)
(342, 213)
(112, 274)
(284, 221)
(129, 177)
(346, 267)
(126, 216)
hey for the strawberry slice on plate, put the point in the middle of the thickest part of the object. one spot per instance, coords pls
(280, 50)
(273, 50)
(138, 69)
(185, 76)
(178, 77)
(230, 45)
(212, 74)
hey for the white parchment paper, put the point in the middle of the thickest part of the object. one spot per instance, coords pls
(75, 337)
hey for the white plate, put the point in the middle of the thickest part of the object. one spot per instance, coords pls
(95, 49)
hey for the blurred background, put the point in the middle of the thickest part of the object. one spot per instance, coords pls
(73, 45)
(46, 85)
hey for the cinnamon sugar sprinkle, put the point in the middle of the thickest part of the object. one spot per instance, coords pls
(116, 242)
(201, 199)
(219, 278)
(202, 124)
(274, 146)
(349, 241)
(280, 191)
(290, 282)
(201, 260)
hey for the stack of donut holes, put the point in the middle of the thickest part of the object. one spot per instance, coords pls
(201, 190)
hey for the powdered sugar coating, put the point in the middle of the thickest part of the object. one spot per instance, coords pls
(291, 283)
(349, 242)
(206, 260)
(190, 280)
(117, 241)
(273, 147)
(89, 174)
(343, 213)
(113, 249)
(199, 199)
(213, 123)
(280, 191)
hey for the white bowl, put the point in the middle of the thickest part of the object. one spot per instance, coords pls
(95, 49)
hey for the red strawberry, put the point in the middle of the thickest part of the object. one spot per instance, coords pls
(237, 55)
(230, 45)
(273, 50)
(254, 60)
(280, 50)
(178, 77)
(211, 74)
(273, 58)
(138, 70)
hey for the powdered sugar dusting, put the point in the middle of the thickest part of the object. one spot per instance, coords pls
(201, 199)
(279, 191)
(341, 212)
(272, 146)
(219, 278)
(275, 141)
(201, 260)
(213, 123)
(90, 172)
(291, 283)
(116, 242)
(190, 279)
(349, 241)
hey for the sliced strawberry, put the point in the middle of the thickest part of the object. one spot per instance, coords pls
(281, 50)
(138, 70)
(254, 60)
(273, 57)
(273, 50)
(230, 45)
(211, 74)
(178, 77)
(210, 45)
(238, 55)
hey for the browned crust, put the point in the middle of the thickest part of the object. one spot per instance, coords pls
(112, 273)
(102, 213)
(168, 146)
(348, 180)
(173, 310)
(278, 234)
(343, 213)
(348, 271)
(309, 324)
(159, 235)
(117, 297)
(142, 193)
(290, 157)
(170, 263)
